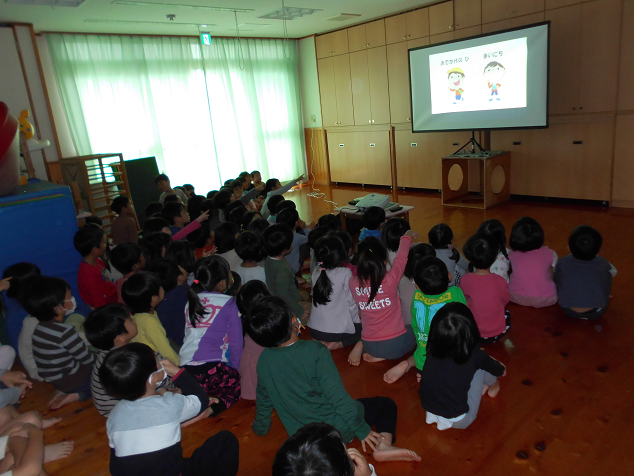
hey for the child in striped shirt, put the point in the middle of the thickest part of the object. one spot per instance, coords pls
(62, 358)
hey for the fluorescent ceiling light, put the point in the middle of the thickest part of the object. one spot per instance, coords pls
(197, 25)
(48, 3)
(288, 13)
(155, 4)
(343, 17)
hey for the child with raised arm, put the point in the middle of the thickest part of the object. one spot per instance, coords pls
(315, 393)
(441, 238)
(144, 429)
(375, 290)
(457, 372)
(391, 234)
(274, 187)
(95, 288)
(334, 319)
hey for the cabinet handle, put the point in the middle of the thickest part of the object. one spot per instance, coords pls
(368, 44)
(574, 108)
(409, 36)
(404, 37)
(514, 12)
(517, 143)
(369, 121)
(577, 142)
(580, 108)
(372, 121)
(450, 27)
(409, 119)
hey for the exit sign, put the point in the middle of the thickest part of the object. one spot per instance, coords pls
(205, 38)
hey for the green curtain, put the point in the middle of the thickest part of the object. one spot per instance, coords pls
(206, 112)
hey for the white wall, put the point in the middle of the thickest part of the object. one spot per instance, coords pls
(309, 84)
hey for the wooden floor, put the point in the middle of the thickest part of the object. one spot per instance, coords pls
(565, 407)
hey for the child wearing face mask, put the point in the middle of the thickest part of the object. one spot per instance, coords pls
(61, 356)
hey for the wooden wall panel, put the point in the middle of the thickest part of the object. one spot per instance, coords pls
(317, 156)
(622, 190)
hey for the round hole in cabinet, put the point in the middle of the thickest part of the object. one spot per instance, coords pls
(498, 179)
(455, 177)
(357, 85)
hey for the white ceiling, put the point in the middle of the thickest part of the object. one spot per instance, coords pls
(102, 16)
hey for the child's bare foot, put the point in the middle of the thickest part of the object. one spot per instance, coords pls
(368, 358)
(396, 372)
(494, 389)
(50, 422)
(355, 354)
(56, 396)
(387, 452)
(65, 400)
(202, 416)
(485, 388)
(333, 345)
(58, 451)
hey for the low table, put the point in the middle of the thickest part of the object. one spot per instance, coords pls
(353, 212)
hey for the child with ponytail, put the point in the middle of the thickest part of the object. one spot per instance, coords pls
(334, 319)
(375, 290)
(213, 342)
(502, 265)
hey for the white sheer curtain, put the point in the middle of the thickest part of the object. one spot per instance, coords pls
(206, 113)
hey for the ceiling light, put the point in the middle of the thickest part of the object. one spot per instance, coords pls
(154, 4)
(197, 25)
(48, 3)
(288, 13)
(343, 17)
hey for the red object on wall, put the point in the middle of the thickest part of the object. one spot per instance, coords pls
(9, 151)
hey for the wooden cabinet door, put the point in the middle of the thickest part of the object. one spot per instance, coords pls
(396, 28)
(467, 13)
(337, 150)
(442, 37)
(441, 18)
(327, 91)
(496, 10)
(417, 23)
(550, 4)
(375, 33)
(398, 82)
(623, 176)
(565, 79)
(599, 59)
(323, 46)
(379, 89)
(414, 168)
(341, 68)
(339, 41)
(375, 167)
(626, 92)
(356, 38)
(360, 85)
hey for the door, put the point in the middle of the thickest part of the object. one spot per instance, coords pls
(396, 28)
(375, 34)
(467, 13)
(379, 90)
(441, 18)
(356, 38)
(327, 91)
(417, 23)
(360, 88)
(398, 79)
(341, 68)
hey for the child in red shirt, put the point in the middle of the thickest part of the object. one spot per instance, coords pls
(95, 288)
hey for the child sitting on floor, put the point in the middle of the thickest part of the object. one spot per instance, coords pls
(334, 319)
(124, 228)
(584, 279)
(486, 293)
(62, 358)
(162, 182)
(441, 237)
(373, 218)
(251, 293)
(250, 250)
(171, 309)
(273, 204)
(432, 292)
(142, 292)
(176, 215)
(457, 373)
(375, 289)
(495, 229)
(127, 258)
(407, 286)
(300, 250)
(145, 433)
(531, 283)
(391, 234)
(225, 240)
(183, 253)
(316, 392)
(95, 288)
(278, 242)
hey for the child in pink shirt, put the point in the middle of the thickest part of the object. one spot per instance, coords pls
(531, 283)
(375, 290)
(487, 293)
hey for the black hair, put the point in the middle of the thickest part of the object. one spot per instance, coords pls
(269, 184)
(440, 237)
(93, 220)
(315, 449)
(193, 206)
(453, 333)
(247, 218)
(183, 253)
(232, 206)
(288, 217)
(105, 323)
(315, 235)
(481, 250)
(173, 210)
(584, 243)
(171, 198)
(371, 269)
(277, 239)
(271, 322)
(188, 187)
(249, 247)
(416, 253)
(19, 273)
(373, 218)
(273, 202)
(119, 203)
(125, 371)
(241, 179)
(168, 273)
(526, 235)
(200, 236)
(209, 272)
(222, 199)
(236, 184)
(495, 229)
(207, 205)
(255, 172)
(493, 64)
(124, 256)
(226, 236)
(154, 225)
(345, 237)
(236, 215)
(244, 174)
(249, 294)
(160, 178)
(431, 276)
(211, 194)
(227, 183)
(330, 253)
(329, 221)
(138, 291)
(284, 205)
(392, 232)
(41, 295)
(153, 208)
(236, 284)
(87, 238)
(258, 226)
(155, 246)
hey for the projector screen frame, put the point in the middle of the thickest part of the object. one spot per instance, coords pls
(524, 27)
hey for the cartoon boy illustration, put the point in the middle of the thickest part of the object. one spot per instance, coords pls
(494, 72)
(456, 81)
